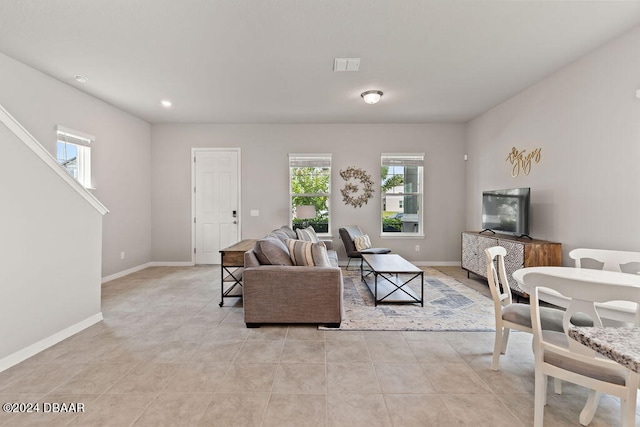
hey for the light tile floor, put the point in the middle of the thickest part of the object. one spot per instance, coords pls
(167, 354)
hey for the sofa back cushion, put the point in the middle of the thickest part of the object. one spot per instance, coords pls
(289, 232)
(280, 234)
(272, 251)
(308, 253)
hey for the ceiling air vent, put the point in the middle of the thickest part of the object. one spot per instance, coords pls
(346, 64)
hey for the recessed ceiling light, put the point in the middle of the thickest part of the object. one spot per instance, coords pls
(80, 79)
(166, 103)
(371, 96)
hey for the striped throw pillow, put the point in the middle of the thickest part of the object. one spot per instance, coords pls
(307, 234)
(362, 242)
(308, 253)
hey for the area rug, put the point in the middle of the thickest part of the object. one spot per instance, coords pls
(448, 306)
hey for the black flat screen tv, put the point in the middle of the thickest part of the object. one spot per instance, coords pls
(506, 211)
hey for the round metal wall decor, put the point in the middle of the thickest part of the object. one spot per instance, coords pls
(352, 193)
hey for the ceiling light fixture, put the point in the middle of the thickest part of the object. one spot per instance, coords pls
(371, 96)
(80, 79)
(166, 103)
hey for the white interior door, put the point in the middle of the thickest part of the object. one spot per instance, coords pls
(217, 214)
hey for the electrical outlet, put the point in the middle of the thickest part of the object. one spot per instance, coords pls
(417, 248)
(122, 255)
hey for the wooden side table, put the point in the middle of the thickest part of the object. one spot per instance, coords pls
(232, 264)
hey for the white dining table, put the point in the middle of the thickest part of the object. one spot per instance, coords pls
(619, 311)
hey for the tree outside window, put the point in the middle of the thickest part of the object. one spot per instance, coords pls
(311, 186)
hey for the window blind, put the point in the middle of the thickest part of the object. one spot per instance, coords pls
(406, 159)
(74, 137)
(319, 160)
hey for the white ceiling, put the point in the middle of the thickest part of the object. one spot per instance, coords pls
(270, 61)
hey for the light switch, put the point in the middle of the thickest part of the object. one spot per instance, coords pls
(255, 212)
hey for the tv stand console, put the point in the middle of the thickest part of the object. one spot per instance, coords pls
(520, 253)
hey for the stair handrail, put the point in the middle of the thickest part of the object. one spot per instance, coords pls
(38, 149)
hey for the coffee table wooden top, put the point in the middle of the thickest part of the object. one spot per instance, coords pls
(390, 263)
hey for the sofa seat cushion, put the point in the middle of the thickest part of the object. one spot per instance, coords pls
(333, 257)
(308, 253)
(375, 251)
(272, 251)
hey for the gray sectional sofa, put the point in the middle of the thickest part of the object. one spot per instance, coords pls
(276, 291)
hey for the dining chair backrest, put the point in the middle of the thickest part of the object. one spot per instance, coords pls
(611, 260)
(565, 359)
(497, 276)
(583, 295)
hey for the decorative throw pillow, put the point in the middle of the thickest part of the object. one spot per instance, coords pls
(362, 242)
(272, 251)
(308, 253)
(307, 234)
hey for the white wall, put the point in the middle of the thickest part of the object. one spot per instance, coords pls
(120, 155)
(586, 119)
(265, 175)
(50, 247)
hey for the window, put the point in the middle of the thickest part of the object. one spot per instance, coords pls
(310, 185)
(401, 192)
(74, 154)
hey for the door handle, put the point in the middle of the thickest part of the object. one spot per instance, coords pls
(235, 222)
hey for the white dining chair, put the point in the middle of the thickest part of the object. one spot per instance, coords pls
(611, 260)
(561, 357)
(510, 315)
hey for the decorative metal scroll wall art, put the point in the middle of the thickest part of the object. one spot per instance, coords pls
(521, 160)
(352, 194)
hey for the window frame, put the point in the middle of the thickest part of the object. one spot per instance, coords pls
(404, 160)
(82, 142)
(318, 160)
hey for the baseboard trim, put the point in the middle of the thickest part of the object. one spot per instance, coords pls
(143, 266)
(33, 349)
(171, 264)
(437, 263)
(125, 272)
(418, 263)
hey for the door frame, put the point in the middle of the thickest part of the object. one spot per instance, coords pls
(193, 194)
